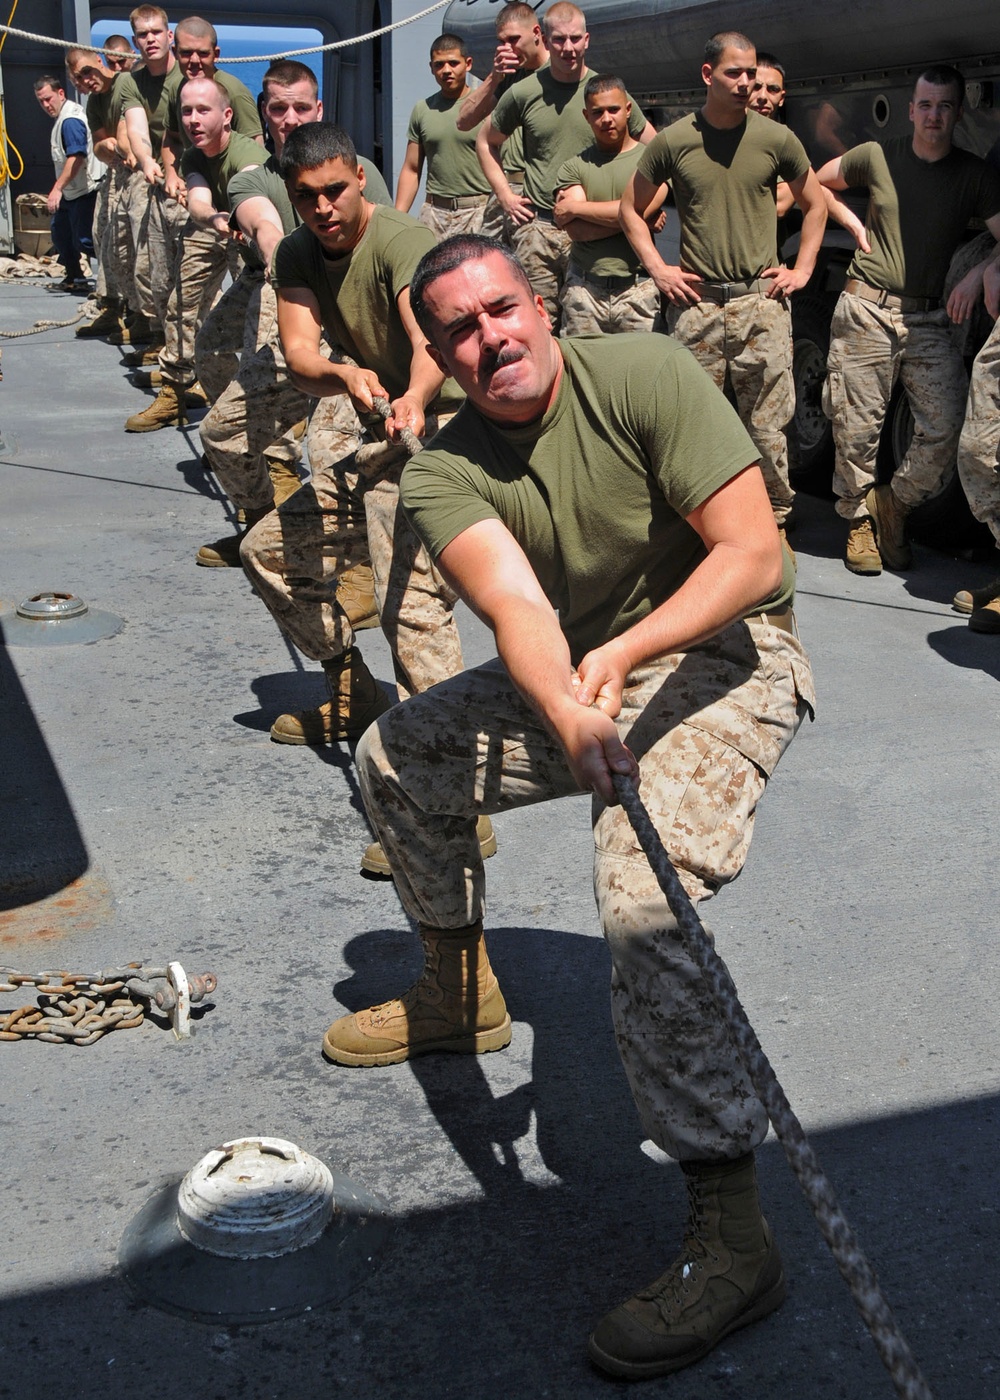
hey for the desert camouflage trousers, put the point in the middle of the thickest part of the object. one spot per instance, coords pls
(870, 348)
(495, 222)
(543, 251)
(443, 223)
(979, 445)
(749, 340)
(134, 208)
(193, 281)
(220, 337)
(589, 309)
(99, 233)
(707, 728)
(341, 517)
(258, 408)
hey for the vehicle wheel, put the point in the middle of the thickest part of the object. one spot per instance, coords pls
(810, 436)
(944, 522)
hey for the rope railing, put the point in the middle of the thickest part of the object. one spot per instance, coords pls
(252, 58)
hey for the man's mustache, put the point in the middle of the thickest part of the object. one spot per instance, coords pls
(509, 355)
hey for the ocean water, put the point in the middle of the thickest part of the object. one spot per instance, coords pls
(238, 41)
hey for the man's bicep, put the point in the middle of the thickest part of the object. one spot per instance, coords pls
(299, 323)
(257, 210)
(486, 565)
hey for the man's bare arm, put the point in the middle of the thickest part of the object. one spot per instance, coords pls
(488, 568)
(965, 294)
(300, 329)
(679, 287)
(409, 176)
(137, 129)
(260, 223)
(425, 379)
(808, 195)
(489, 142)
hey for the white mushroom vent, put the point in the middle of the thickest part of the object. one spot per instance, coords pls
(255, 1198)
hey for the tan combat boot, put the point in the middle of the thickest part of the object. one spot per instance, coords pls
(166, 411)
(889, 519)
(357, 699)
(376, 862)
(862, 555)
(985, 616)
(727, 1275)
(144, 359)
(968, 600)
(356, 595)
(105, 322)
(455, 1005)
(137, 330)
(225, 553)
(284, 478)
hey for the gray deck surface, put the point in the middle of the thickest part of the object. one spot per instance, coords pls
(862, 937)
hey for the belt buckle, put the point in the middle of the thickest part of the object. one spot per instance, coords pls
(727, 292)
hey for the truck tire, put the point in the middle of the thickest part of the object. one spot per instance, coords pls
(810, 436)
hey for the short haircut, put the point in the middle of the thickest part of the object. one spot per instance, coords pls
(227, 101)
(727, 39)
(79, 52)
(285, 72)
(565, 12)
(117, 41)
(943, 75)
(445, 257)
(768, 60)
(516, 12)
(148, 12)
(312, 145)
(449, 43)
(56, 84)
(603, 82)
(197, 28)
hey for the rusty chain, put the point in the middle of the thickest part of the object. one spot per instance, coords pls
(77, 1008)
(855, 1269)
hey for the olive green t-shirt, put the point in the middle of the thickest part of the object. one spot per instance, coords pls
(239, 153)
(604, 178)
(553, 127)
(246, 118)
(141, 89)
(104, 109)
(724, 183)
(357, 294)
(453, 168)
(265, 182)
(917, 212)
(596, 491)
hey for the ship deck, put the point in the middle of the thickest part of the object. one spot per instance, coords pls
(141, 786)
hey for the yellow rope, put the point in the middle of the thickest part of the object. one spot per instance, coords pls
(5, 142)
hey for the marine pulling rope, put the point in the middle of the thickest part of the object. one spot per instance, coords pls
(253, 58)
(854, 1267)
(859, 1275)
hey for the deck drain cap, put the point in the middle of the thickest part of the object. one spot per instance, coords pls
(257, 1230)
(56, 619)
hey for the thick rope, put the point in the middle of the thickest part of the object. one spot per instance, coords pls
(40, 326)
(857, 1272)
(253, 58)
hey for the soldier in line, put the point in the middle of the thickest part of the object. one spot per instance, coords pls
(664, 622)
(145, 94)
(88, 74)
(979, 455)
(547, 108)
(346, 271)
(188, 263)
(122, 58)
(727, 301)
(768, 98)
(215, 154)
(891, 320)
(249, 434)
(520, 50)
(607, 289)
(457, 190)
